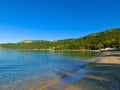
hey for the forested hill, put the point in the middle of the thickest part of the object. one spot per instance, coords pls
(108, 38)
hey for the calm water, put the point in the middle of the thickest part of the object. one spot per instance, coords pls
(18, 65)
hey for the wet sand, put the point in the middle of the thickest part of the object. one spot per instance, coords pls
(110, 58)
(103, 75)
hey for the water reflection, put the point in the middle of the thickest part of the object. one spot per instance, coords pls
(82, 55)
(17, 65)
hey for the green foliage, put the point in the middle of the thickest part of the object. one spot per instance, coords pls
(109, 38)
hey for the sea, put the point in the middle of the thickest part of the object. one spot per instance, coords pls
(28, 69)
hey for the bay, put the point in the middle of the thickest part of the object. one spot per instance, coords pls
(18, 66)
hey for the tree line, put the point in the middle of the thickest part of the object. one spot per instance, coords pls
(108, 38)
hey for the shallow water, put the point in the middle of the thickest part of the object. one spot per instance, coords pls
(20, 68)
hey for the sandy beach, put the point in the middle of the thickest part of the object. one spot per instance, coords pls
(103, 75)
(100, 74)
(110, 58)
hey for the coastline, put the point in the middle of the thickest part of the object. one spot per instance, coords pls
(54, 50)
(66, 50)
(101, 73)
(104, 74)
(110, 57)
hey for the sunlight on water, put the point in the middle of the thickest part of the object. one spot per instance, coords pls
(16, 65)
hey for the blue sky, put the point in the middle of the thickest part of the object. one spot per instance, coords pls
(56, 19)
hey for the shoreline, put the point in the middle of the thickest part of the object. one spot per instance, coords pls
(110, 57)
(54, 50)
(101, 73)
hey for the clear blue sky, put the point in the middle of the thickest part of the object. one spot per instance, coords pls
(56, 19)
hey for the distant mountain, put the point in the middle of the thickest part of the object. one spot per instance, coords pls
(109, 38)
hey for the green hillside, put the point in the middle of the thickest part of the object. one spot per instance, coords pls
(108, 38)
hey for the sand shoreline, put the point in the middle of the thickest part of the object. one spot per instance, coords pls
(110, 58)
(103, 74)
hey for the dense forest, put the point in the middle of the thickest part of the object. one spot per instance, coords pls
(108, 38)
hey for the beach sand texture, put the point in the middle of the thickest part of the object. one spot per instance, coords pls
(104, 75)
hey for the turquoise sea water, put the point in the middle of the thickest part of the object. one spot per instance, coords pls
(20, 65)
